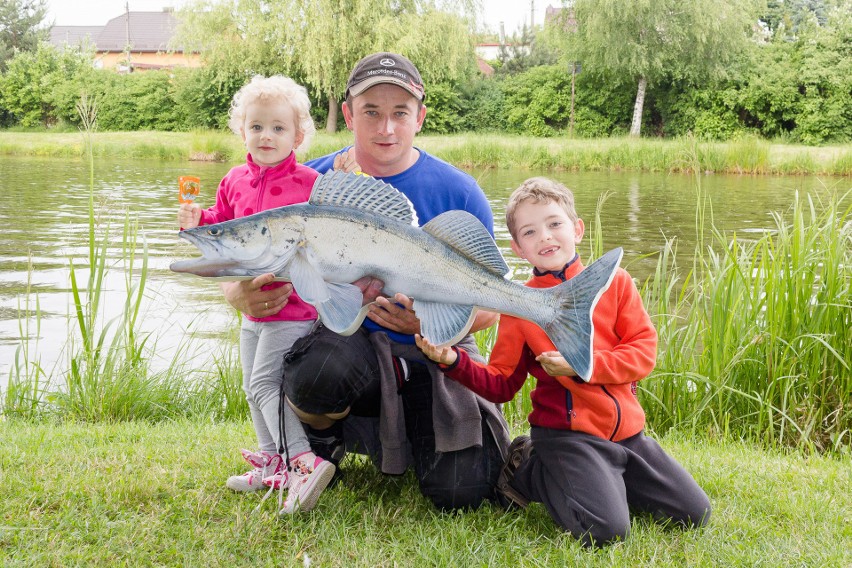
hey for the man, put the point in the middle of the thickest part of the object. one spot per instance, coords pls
(375, 388)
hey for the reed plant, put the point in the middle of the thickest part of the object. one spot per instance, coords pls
(26, 385)
(756, 342)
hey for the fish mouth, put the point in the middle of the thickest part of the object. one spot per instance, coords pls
(208, 268)
(213, 262)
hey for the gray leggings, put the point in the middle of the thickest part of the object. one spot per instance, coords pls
(262, 348)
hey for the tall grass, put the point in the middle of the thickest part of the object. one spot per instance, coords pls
(756, 342)
(747, 155)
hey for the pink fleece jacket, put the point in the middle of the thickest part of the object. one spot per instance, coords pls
(250, 189)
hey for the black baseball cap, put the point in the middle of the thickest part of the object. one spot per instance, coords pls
(385, 67)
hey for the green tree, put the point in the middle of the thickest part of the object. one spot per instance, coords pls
(318, 42)
(19, 27)
(36, 86)
(656, 39)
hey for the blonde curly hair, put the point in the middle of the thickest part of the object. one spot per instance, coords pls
(276, 88)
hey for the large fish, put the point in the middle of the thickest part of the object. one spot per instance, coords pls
(354, 226)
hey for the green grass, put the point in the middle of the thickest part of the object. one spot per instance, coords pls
(137, 494)
(744, 156)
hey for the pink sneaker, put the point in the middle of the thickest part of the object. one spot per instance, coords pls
(309, 476)
(266, 465)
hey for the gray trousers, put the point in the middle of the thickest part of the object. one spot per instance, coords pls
(262, 348)
(590, 485)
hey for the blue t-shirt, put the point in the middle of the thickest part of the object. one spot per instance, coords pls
(433, 186)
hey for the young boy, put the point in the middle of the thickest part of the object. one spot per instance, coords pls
(587, 458)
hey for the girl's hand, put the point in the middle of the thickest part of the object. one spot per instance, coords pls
(189, 215)
(555, 364)
(345, 162)
(443, 355)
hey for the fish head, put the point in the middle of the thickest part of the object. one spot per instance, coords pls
(240, 249)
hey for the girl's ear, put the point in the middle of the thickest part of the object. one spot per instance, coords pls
(300, 137)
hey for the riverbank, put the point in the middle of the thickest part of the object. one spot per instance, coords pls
(143, 494)
(499, 150)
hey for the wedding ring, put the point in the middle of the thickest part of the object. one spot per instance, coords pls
(266, 305)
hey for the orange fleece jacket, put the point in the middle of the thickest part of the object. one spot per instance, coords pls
(625, 348)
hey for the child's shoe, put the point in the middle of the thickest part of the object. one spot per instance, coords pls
(265, 465)
(309, 476)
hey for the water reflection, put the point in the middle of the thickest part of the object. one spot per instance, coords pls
(44, 216)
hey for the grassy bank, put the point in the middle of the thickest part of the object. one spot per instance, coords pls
(747, 156)
(154, 495)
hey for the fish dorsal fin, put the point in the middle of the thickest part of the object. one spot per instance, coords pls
(465, 233)
(357, 191)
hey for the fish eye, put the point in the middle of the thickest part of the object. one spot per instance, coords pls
(214, 231)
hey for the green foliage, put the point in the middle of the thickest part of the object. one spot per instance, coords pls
(538, 101)
(19, 27)
(203, 95)
(34, 86)
(482, 105)
(444, 106)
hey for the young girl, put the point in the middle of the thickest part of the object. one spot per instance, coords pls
(272, 116)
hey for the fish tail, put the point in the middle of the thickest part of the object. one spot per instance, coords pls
(571, 330)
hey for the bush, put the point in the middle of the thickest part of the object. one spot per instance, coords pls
(444, 109)
(482, 105)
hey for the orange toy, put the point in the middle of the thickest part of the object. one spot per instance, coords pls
(189, 186)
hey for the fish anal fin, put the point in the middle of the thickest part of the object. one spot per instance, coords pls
(342, 312)
(444, 324)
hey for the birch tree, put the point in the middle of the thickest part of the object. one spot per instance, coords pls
(645, 41)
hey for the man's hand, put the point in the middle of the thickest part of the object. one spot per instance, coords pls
(395, 314)
(247, 296)
(443, 355)
(555, 364)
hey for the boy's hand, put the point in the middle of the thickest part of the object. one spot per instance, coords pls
(345, 161)
(555, 364)
(189, 215)
(443, 355)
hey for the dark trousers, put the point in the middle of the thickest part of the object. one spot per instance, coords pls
(325, 372)
(451, 480)
(590, 485)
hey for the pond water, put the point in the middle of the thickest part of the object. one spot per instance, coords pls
(44, 215)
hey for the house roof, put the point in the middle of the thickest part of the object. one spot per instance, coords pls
(74, 35)
(147, 31)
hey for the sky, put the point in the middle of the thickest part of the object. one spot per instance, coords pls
(514, 13)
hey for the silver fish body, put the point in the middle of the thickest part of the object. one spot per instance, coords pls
(355, 226)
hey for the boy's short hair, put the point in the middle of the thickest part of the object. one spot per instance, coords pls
(539, 190)
(276, 88)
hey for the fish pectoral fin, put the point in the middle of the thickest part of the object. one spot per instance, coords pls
(307, 281)
(338, 305)
(342, 312)
(444, 324)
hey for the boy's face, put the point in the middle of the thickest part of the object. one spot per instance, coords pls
(270, 132)
(545, 236)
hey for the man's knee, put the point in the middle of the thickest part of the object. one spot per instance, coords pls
(325, 372)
